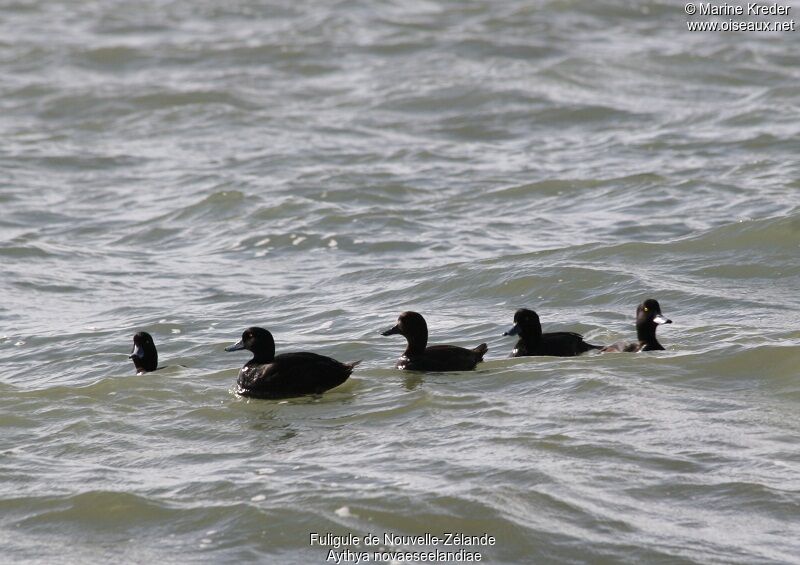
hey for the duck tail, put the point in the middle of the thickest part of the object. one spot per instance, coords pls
(481, 351)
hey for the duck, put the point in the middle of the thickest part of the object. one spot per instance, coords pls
(144, 353)
(648, 318)
(418, 356)
(287, 375)
(533, 342)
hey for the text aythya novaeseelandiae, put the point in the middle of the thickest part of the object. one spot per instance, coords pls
(533, 342)
(267, 375)
(418, 357)
(648, 318)
(144, 354)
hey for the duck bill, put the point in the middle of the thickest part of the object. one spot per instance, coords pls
(659, 319)
(236, 346)
(392, 331)
(137, 353)
(513, 331)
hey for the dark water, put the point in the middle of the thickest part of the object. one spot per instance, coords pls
(192, 168)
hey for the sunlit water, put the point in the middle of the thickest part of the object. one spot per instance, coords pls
(193, 168)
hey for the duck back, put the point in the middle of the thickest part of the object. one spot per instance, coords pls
(441, 358)
(554, 344)
(293, 374)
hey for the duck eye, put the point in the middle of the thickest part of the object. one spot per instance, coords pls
(646, 309)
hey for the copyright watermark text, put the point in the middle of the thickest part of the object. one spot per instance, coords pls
(750, 16)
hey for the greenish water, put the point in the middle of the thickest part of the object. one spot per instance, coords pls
(190, 169)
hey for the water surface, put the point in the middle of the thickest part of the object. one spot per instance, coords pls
(191, 169)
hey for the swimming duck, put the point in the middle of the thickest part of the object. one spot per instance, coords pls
(533, 342)
(144, 354)
(267, 375)
(418, 357)
(648, 318)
